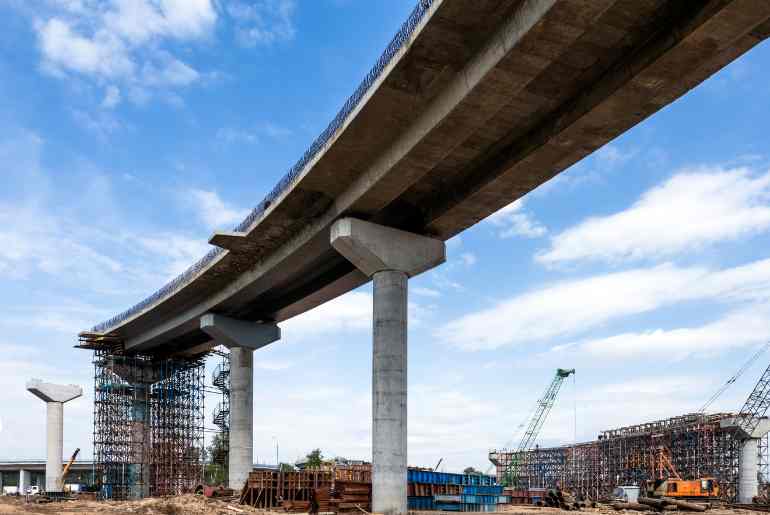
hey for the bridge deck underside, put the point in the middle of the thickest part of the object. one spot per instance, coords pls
(438, 145)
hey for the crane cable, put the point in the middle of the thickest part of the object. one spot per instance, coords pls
(735, 377)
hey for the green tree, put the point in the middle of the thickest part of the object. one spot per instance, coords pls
(314, 459)
(215, 457)
(287, 467)
(471, 470)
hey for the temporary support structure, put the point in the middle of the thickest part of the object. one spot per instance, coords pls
(692, 446)
(148, 424)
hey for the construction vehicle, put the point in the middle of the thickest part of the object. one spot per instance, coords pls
(703, 489)
(66, 469)
(540, 415)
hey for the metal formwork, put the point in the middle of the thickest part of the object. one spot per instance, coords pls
(692, 446)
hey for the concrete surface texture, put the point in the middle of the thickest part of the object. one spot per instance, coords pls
(389, 390)
(241, 416)
(488, 100)
(55, 396)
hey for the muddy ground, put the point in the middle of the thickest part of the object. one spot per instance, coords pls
(196, 505)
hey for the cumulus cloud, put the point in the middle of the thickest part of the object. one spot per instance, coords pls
(213, 211)
(513, 220)
(568, 308)
(122, 42)
(692, 209)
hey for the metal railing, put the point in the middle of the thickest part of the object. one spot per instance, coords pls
(401, 37)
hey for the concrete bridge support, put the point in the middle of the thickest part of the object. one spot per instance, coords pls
(389, 257)
(242, 338)
(54, 396)
(748, 472)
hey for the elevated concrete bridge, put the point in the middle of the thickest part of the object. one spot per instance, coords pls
(474, 104)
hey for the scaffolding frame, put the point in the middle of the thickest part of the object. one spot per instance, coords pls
(148, 423)
(689, 446)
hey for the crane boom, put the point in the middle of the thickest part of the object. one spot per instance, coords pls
(756, 405)
(540, 415)
(543, 408)
(735, 377)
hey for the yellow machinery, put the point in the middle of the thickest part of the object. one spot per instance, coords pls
(67, 468)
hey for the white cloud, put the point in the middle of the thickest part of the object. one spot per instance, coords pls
(425, 292)
(570, 307)
(213, 210)
(468, 258)
(177, 251)
(123, 41)
(64, 49)
(168, 71)
(512, 220)
(349, 312)
(262, 22)
(692, 209)
(102, 124)
(737, 329)
(111, 97)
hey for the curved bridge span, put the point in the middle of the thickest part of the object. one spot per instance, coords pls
(473, 104)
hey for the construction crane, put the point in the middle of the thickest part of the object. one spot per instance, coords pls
(540, 415)
(735, 377)
(756, 405)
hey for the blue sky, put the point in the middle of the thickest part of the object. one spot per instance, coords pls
(129, 131)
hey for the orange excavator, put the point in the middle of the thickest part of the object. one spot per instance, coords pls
(670, 484)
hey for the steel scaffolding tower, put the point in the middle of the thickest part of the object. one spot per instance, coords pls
(693, 445)
(148, 423)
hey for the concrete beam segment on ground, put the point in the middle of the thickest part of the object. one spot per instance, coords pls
(237, 333)
(487, 100)
(373, 248)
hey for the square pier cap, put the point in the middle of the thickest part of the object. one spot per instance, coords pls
(50, 392)
(373, 248)
(232, 332)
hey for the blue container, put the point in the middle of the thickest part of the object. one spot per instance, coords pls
(420, 503)
(483, 490)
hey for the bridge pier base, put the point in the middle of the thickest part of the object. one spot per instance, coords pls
(242, 338)
(389, 257)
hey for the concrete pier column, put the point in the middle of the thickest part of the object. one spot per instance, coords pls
(55, 396)
(54, 445)
(24, 480)
(242, 338)
(241, 458)
(389, 256)
(748, 479)
(139, 468)
(389, 373)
